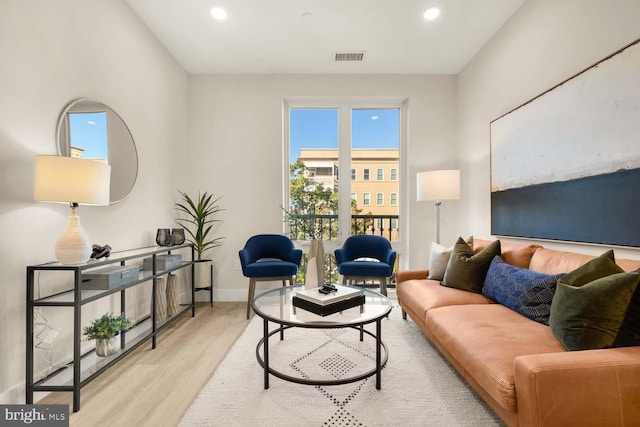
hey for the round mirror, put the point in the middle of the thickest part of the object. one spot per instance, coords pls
(91, 130)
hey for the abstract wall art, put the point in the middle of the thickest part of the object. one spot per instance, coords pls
(566, 164)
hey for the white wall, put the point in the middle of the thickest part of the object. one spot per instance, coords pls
(236, 136)
(544, 42)
(52, 52)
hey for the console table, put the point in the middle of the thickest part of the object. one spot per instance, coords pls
(85, 367)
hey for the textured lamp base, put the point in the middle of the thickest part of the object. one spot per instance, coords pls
(73, 247)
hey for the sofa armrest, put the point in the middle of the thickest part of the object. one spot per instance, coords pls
(401, 276)
(585, 388)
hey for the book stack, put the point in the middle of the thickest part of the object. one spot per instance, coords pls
(325, 304)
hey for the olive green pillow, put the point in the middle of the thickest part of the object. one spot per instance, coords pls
(597, 306)
(467, 270)
(602, 266)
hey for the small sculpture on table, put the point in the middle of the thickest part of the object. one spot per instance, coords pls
(98, 251)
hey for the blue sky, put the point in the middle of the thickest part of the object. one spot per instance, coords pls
(318, 128)
(89, 131)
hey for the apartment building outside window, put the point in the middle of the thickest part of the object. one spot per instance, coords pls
(380, 174)
(353, 175)
(366, 199)
(365, 173)
(394, 199)
(394, 174)
(380, 199)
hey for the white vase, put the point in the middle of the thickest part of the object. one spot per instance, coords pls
(202, 275)
(107, 347)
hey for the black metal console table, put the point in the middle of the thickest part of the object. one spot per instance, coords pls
(85, 367)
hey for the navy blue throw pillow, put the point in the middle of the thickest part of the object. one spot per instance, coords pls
(528, 292)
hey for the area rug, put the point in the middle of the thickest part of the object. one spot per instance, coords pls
(419, 387)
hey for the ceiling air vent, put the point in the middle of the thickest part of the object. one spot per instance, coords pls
(348, 56)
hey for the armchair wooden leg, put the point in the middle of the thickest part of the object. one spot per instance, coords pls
(383, 286)
(344, 280)
(292, 281)
(252, 290)
(404, 314)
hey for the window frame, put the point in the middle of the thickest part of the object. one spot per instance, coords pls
(345, 106)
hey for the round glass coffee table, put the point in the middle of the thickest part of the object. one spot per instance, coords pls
(276, 306)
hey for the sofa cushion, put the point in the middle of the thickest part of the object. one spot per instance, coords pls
(467, 270)
(528, 292)
(420, 296)
(597, 306)
(440, 258)
(486, 339)
(518, 254)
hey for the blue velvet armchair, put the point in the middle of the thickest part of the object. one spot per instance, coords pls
(269, 257)
(366, 257)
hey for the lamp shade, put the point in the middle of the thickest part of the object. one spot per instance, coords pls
(438, 185)
(71, 180)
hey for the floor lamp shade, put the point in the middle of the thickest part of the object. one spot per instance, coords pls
(74, 181)
(438, 185)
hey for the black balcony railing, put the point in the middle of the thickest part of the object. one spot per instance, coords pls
(325, 227)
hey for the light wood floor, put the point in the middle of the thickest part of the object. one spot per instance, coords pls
(155, 387)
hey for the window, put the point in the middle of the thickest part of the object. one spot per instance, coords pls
(394, 223)
(378, 223)
(324, 136)
(394, 199)
(394, 174)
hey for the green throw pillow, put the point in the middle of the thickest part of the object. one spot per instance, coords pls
(604, 265)
(600, 314)
(467, 271)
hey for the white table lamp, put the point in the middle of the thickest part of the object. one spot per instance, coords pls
(438, 185)
(74, 181)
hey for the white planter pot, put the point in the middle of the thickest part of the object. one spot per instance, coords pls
(108, 347)
(203, 272)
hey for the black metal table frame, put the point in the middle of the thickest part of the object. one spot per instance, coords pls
(264, 343)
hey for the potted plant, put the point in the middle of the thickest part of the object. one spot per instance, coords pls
(199, 220)
(104, 329)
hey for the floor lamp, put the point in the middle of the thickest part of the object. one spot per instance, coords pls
(437, 186)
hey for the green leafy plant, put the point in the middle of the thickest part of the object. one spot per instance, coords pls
(107, 327)
(200, 218)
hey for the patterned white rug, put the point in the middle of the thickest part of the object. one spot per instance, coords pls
(419, 388)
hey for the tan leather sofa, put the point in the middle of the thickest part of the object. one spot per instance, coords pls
(516, 364)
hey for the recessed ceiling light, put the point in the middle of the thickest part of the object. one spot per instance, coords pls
(431, 13)
(307, 16)
(219, 13)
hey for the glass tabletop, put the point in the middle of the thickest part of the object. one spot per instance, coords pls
(277, 305)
